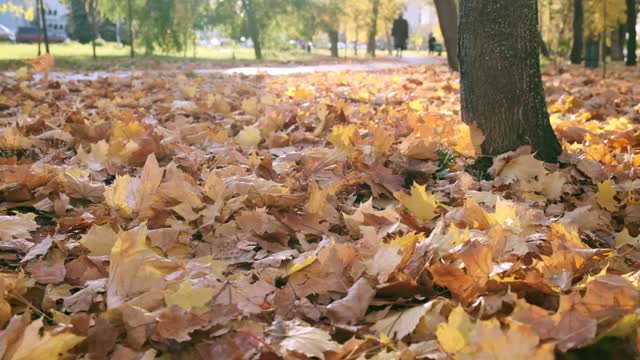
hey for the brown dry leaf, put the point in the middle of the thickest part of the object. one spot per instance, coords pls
(135, 268)
(175, 214)
(303, 339)
(354, 306)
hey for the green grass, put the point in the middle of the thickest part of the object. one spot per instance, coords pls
(78, 57)
(75, 56)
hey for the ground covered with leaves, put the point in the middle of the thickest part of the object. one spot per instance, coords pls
(331, 216)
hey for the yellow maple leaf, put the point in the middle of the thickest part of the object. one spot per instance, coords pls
(301, 93)
(420, 203)
(622, 238)
(99, 240)
(37, 343)
(188, 297)
(23, 74)
(11, 138)
(189, 92)
(120, 195)
(505, 214)
(249, 137)
(250, 106)
(454, 335)
(317, 200)
(342, 136)
(605, 196)
(126, 130)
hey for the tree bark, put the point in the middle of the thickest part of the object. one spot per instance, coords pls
(333, 38)
(501, 84)
(132, 52)
(448, 19)
(373, 28)
(254, 31)
(617, 43)
(632, 18)
(43, 18)
(578, 32)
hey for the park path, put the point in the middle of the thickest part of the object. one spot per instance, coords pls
(388, 63)
(384, 63)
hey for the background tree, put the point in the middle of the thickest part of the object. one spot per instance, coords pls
(92, 11)
(617, 42)
(501, 85)
(79, 26)
(373, 28)
(251, 19)
(43, 23)
(632, 17)
(578, 32)
(448, 19)
(356, 21)
(128, 10)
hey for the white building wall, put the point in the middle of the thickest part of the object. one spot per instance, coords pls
(56, 14)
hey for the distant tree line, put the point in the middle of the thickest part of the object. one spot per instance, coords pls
(577, 29)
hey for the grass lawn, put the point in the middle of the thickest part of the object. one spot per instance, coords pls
(75, 56)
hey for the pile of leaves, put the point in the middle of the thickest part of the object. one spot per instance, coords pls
(331, 216)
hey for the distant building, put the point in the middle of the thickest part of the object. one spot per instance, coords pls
(55, 11)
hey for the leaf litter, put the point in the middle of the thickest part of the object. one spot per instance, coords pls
(331, 216)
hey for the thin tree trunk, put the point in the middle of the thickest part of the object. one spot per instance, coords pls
(132, 52)
(333, 38)
(254, 31)
(544, 50)
(186, 43)
(448, 19)
(617, 43)
(195, 45)
(501, 84)
(373, 28)
(44, 27)
(94, 26)
(355, 47)
(632, 59)
(389, 43)
(39, 25)
(578, 32)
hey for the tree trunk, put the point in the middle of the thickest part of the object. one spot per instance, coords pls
(578, 32)
(617, 43)
(632, 18)
(355, 46)
(132, 52)
(448, 19)
(389, 43)
(501, 84)
(44, 26)
(544, 50)
(94, 25)
(254, 31)
(373, 28)
(39, 26)
(333, 38)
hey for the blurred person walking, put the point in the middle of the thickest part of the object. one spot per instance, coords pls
(400, 33)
